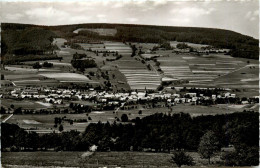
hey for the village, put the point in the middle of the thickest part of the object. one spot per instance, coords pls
(100, 100)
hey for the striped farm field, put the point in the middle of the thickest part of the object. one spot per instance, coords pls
(93, 47)
(119, 47)
(208, 69)
(67, 77)
(137, 75)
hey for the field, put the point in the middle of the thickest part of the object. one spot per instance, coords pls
(24, 104)
(66, 77)
(121, 48)
(214, 70)
(136, 73)
(24, 78)
(193, 45)
(102, 32)
(46, 122)
(61, 72)
(99, 159)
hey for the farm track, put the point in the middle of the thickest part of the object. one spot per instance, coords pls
(6, 119)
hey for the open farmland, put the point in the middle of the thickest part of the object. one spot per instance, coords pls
(24, 78)
(137, 75)
(50, 77)
(213, 70)
(67, 77)
(65, 52)
(61, 72)
(25, 104)
(119, 47)
(244, 77)
(99, 159)
(193, 45)
(93, 47)
(46, 122)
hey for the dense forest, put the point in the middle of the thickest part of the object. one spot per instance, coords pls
(241, 45)
(21, 40)
(159, 132)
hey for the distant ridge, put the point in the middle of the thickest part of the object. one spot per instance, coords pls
(241, 45)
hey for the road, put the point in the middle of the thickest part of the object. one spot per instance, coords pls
(7, 118)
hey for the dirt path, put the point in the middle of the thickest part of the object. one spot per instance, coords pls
(7, 118)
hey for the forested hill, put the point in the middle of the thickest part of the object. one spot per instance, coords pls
(241, 45)
(22, 39)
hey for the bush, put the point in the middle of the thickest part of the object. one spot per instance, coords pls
(36, 65)
(124, 118)
(181, 158)
(243, 156)
(80, 64)
(47, 64)
(140, 112)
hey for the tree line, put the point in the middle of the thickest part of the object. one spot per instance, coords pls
(158, 132)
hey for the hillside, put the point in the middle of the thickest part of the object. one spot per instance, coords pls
(241, 45)
(26, 39)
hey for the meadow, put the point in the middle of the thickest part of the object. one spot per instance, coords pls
(66, 77)
(46, 122)
(100, 31)
(25, 104)
(98, 159)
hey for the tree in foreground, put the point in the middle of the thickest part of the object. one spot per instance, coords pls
(124, 118)
(208, 146)
(181, 158)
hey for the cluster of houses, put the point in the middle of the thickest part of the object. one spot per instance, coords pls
(205, 51)
(58, 96)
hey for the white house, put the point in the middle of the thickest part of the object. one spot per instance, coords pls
(233, 95)
(191, 94)
(227, 94)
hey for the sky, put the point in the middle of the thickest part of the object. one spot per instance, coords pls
(241, 15)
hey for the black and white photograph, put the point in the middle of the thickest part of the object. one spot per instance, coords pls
(129, 83)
